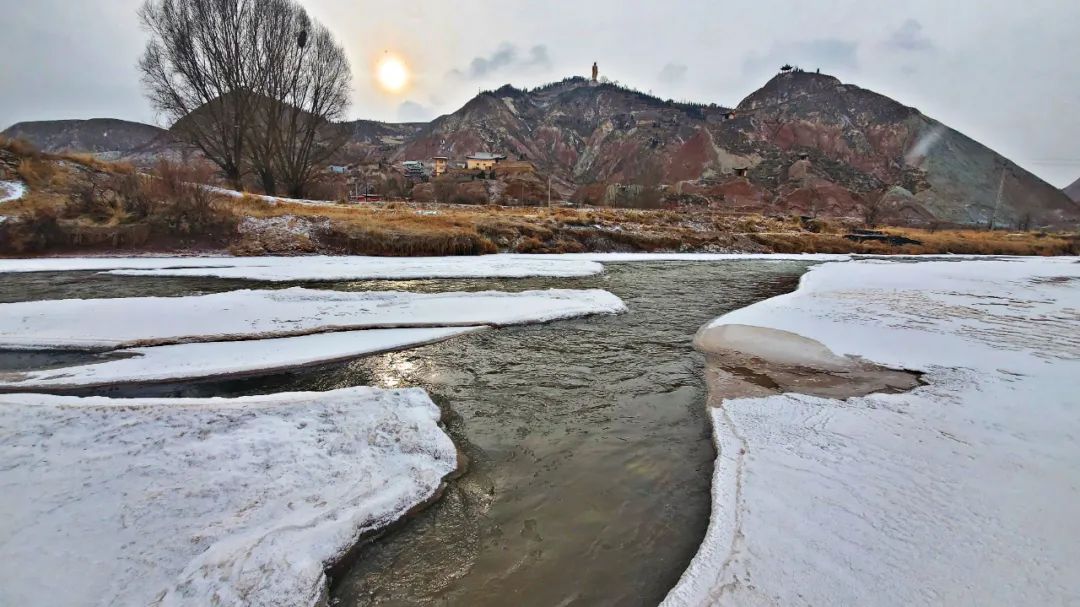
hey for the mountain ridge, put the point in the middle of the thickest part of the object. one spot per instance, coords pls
(803, 142)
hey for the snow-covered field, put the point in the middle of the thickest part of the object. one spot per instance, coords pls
(317, 268)
(221, 359)
(248, 314)
(204, 502)
(11, 190)
(963, 491)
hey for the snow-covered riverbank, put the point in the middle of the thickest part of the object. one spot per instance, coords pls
(961, 491)
(208, 501)
(229, 502)
(217, 360)
(248, 314)
(331, 268)
(316, 268)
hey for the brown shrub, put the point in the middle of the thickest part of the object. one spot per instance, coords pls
(33, 233)
(96, 164)
(19, 147)
(36, 172)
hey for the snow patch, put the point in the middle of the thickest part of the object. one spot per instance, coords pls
(962, 491)
(272, 200)
(205, 501)
(283, 224)
(225, 359)
(248, 314)
(12, 190)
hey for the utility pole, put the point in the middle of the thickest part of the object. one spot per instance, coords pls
(549, 191)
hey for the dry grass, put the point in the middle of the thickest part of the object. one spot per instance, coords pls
(74, 204)
(432, 229)
(985, 242)
(79, 202)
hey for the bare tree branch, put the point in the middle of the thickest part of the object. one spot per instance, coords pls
(253, 84)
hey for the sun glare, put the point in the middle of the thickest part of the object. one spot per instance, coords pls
(392, 74)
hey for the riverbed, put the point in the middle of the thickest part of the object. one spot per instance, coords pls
(589, 447)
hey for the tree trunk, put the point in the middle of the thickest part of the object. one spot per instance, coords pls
(233, 177)
(269, 184)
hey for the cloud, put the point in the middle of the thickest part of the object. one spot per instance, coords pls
(826, 54)
(910, 37)
(672, 73)
(505, 58)
(411, 111)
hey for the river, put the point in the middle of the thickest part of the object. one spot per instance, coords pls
(589, 449)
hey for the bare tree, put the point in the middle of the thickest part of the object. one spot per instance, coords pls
(254, 84)
(318, 95)
(872, 207)
(304, 88)
(198, 71)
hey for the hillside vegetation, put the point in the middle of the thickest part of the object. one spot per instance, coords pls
(77, 204)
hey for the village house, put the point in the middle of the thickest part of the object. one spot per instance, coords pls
(441, 164)
(483, 161)
(414, 169)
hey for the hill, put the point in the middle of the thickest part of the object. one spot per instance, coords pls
(950, 175)
(96, 136)
(1073, 191)
(371, 140)
(803, 143)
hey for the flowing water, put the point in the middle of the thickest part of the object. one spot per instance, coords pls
(590, 453)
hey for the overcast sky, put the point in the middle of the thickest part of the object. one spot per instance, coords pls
(1003, 72)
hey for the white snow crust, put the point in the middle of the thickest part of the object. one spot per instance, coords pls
(962, 491)
(337, 268)
(316, 268)
(241, 502)
(250, 314)
(11, 190)
(225, 359)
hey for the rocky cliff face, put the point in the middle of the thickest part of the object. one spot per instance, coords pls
(855, 146)
(578, 131)
(951, 176)
(372, 141)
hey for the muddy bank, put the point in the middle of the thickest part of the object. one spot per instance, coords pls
(746, 361)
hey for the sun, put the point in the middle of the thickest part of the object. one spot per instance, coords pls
(392, 74)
